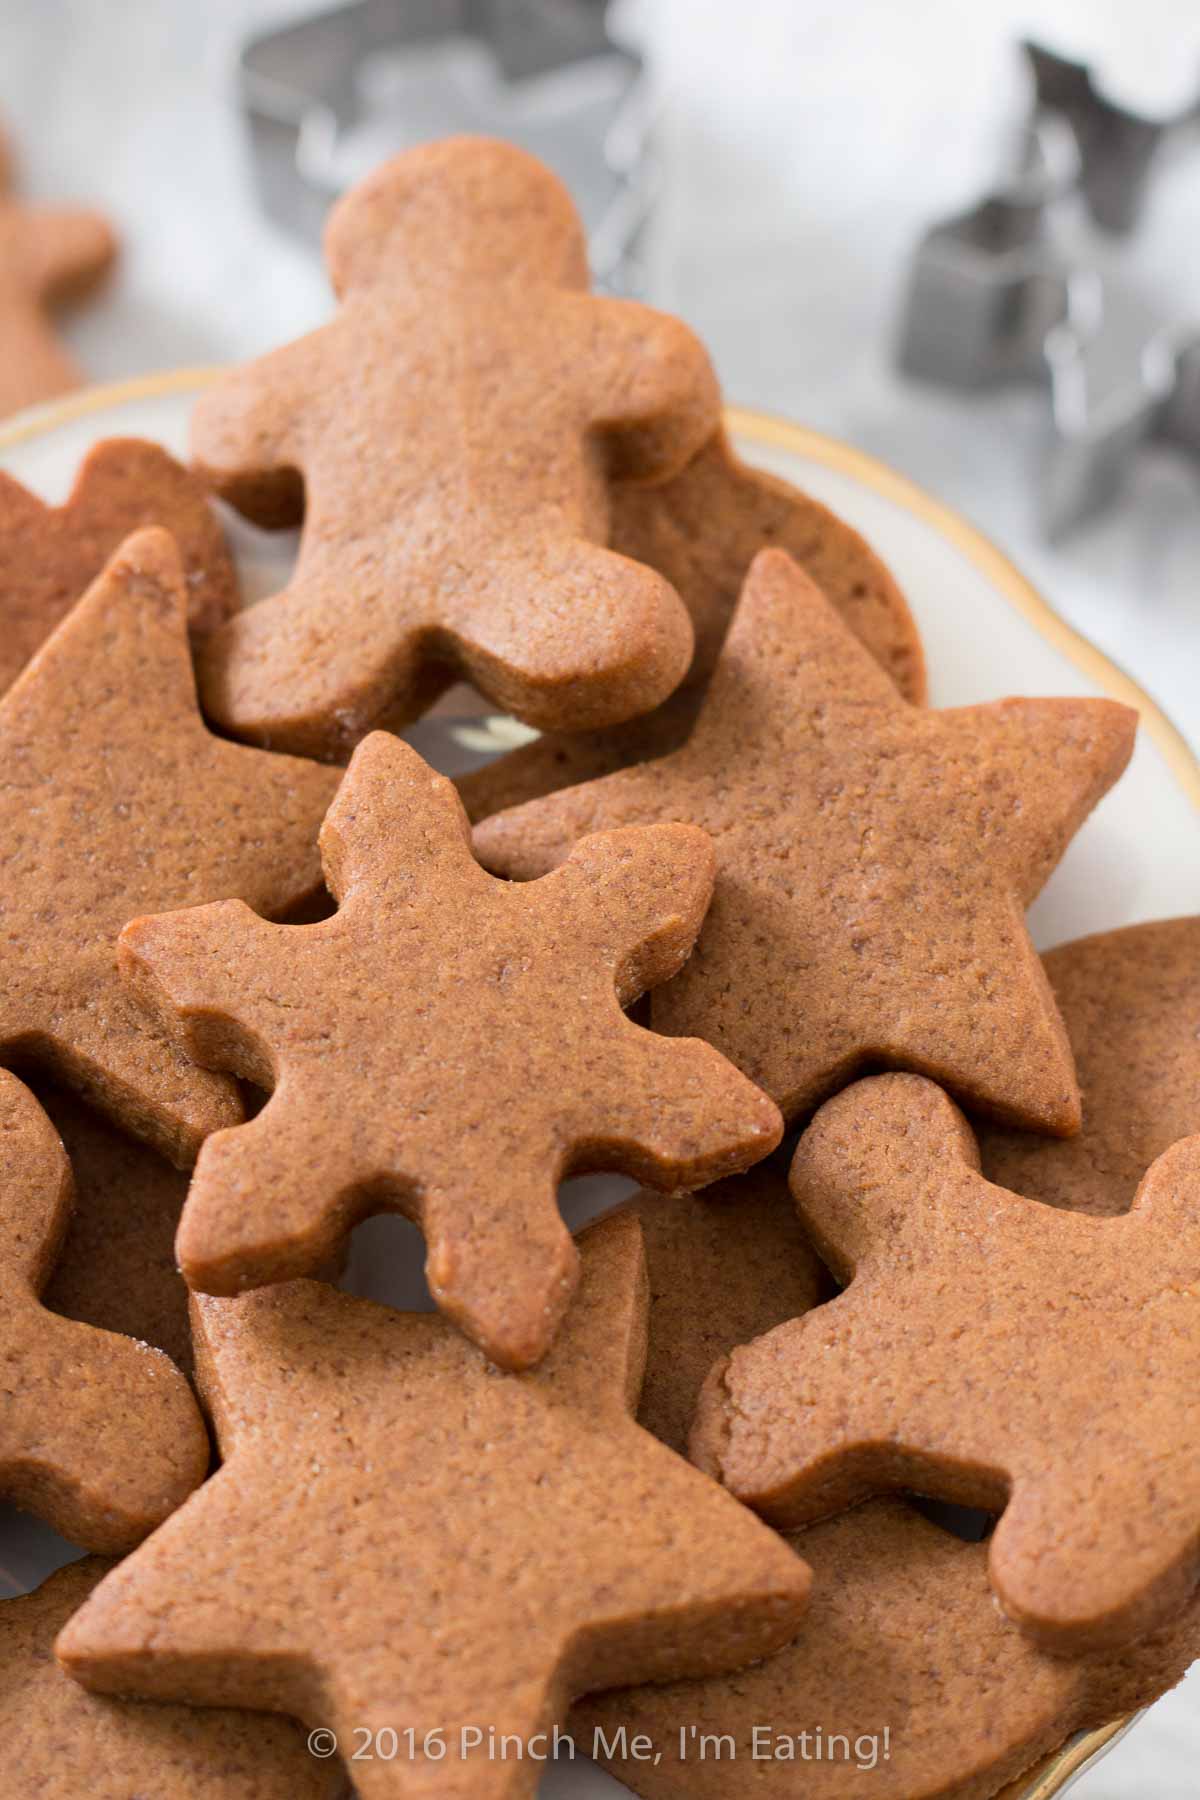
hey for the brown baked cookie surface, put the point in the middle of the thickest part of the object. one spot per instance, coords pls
(702, 529)
(116, 1268)
(448, 1046)
(49, 555)
(456, 427)
(903, 1651)
(874, 860)
(401, 1536)
(47, 257)
(61, 1742)
(116, 799)
(1130, 1001)
(988, 1350)
(99, 1435)
(905, 1683)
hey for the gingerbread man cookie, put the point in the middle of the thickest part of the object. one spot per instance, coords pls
(50, 554)
(874, 860)
(702, 530)
(99, 1435)
(455, 428)
(46, 258)
(1131, 1003)
(401, 1538)
(905, 1679)
(448, 1046)
(116, 799)
(989, 1350)
(905, 1683)
(61, 1742)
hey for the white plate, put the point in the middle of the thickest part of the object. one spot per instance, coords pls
(987, 633)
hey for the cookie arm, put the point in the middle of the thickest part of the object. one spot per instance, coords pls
(68, 252)
(655, 397)
(244, 437)
(103, 1438)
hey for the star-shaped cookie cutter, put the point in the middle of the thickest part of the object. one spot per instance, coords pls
(996, 295)
(330, 96)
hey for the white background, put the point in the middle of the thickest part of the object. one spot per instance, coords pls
(804, 148)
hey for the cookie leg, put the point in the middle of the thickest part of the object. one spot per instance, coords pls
(101, 1437)
(572, 636)
(1078, 1579)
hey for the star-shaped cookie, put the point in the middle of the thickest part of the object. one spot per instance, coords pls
(61, 1741)
(99, 1435)
(46, 257)
(903, 1652)
(401, 1537)
(702, 529)
(874, 861)
(447, 1045)
(1130, 1001)
(989, 1350)
(116, 799)
(50, 554)
(456, 427)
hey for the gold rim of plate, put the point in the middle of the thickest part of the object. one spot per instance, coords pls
(1052, 1776)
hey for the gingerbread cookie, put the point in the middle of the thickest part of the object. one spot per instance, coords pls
(1131, 1004)
(456, 427)
(46, 259)
(99, 1435)
(50, 554)
(702, 530)
(116, 1268)
(61, 1742)
(1038, 1363)
(403, 1539)
(903, 1651)
(905, 1683)
(448, 1046)
(115, 799)
(873, 863)
(725, 1265)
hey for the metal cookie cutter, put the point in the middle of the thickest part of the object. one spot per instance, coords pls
(997, 295)
(328, 98)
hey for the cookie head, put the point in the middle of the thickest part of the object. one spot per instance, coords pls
(474, 205)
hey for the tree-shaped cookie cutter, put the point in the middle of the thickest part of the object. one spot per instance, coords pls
(996, 296)
(329, 97)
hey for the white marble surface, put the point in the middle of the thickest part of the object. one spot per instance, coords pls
(804, 146)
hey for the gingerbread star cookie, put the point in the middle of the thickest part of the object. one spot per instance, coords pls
(47, 257)
(455, 427)
(116, 799)
(1131, 1003)
(99, 1435)
(905, 1679)
(874, 860)
(61, 1741)
(50, 554)
(403, 1538)
(988, 1350)
(448, 1046)
(702, 530)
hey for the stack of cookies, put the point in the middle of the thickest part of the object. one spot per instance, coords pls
(648, 1492)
